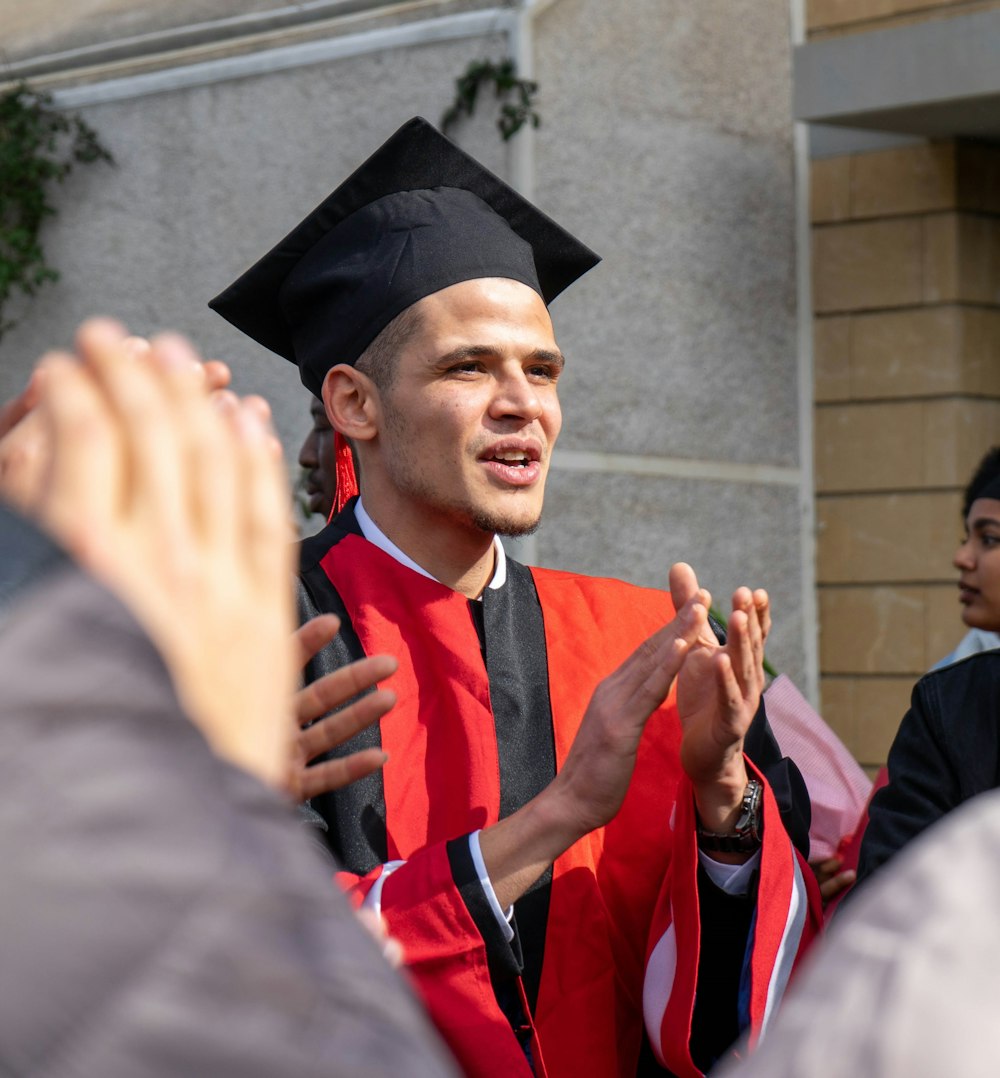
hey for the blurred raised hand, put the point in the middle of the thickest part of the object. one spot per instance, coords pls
(176, 499)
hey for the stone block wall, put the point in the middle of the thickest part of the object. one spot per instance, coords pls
(830, 18)
(906, 282)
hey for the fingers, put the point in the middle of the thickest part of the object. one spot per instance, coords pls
(24, 459)
(739, 674)
(683, 584)
(746, 604)
(737, 694)
(826, 869)
(82, 492)
(217, 374)
(153, 403)
(392, 949)
(342, 725)
(650, 671)
(265, 521)
(333, 690)
(762, 604)
(314, 635)
(259, 406)
(335, 774)
(137, 347)
(212, 373)
(836, 884)
(16, 409)
(745, 650)
(757, 606)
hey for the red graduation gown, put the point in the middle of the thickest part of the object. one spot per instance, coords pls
(621, 936)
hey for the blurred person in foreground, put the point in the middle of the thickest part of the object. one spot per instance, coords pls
(906, 981)
(164, 913)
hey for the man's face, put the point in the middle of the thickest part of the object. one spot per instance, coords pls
(470, 419)
(317, 460)
(978, 560)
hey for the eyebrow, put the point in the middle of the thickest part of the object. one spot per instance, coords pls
(470, 351)
(984, 522)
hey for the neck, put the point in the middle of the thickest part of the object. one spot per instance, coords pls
(462, 558)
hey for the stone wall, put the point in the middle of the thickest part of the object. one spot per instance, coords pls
(829, 18)
(906, 271)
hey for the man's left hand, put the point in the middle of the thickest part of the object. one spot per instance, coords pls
(718, 692)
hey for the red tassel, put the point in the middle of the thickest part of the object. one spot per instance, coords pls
(347, 481)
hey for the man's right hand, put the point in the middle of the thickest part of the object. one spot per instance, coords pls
(591, 786)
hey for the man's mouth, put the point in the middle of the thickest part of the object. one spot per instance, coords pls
(514, 465)
(519, 459)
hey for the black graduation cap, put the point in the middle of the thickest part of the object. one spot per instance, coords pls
(419, 215)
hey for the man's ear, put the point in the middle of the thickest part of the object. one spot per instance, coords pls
(351, 402)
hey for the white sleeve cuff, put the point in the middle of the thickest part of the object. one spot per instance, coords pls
(503, 916)
(373, 900)
(733, 879)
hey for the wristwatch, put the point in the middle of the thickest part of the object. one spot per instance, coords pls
(745, 837)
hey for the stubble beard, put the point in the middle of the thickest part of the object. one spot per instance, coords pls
(497, 525)
(487, 521)
(411, 482)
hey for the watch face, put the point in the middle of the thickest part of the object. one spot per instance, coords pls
(745, 837)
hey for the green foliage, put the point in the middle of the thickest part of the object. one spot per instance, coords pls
(38, 144)
(514, 114)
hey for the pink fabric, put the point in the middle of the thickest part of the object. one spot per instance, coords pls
(838, 787)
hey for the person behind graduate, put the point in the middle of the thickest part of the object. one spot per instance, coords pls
(979, 584)
(318, 461)
(564, 844)
(947, 748)
(164, 911)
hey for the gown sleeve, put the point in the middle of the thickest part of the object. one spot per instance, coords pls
(717, 964)
(433, 904)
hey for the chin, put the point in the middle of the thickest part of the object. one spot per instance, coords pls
(500, 523)
(511, 530)
(976, 619)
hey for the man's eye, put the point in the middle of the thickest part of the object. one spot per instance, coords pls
(989, 541)
(543, 372)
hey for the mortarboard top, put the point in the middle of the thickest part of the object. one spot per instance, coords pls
(419, 215)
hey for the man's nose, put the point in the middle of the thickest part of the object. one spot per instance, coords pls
(516, 396)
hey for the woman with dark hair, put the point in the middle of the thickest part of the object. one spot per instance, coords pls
(948, 745)
(978, 560)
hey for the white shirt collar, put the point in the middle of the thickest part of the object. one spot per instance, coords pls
(374, 534)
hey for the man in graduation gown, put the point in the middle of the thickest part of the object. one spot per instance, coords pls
(546, 834)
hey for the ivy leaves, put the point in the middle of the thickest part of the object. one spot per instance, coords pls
(38, 145)
(519, 94)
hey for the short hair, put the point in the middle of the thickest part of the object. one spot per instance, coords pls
(986, 475)
(380, 359)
